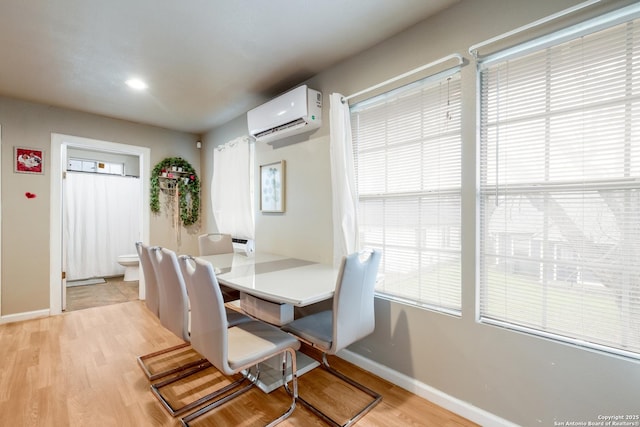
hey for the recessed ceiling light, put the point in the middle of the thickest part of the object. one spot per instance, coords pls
(136, 84)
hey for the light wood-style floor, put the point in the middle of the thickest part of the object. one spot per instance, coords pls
(80, 369)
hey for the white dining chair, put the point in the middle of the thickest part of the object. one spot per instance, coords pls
(351, 319)
(150, 285)
(175, 314)
(232, 349)
(152, 301)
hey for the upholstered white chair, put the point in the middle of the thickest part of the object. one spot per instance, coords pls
(351, 319)
(174, 315)
(152, 301)
(232, 349)
(150, 284)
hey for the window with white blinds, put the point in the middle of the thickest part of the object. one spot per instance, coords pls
(407, 148)
(560, 190)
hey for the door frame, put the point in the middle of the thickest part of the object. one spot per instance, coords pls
(0, 224)
(58, 165)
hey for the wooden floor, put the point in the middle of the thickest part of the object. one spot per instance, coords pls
(80, 369)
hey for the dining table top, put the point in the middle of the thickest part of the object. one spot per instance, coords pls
(275, 278)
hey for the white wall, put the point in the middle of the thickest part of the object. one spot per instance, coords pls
(526, 380)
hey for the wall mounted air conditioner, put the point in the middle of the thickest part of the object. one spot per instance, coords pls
(244, 246)
(297, 111)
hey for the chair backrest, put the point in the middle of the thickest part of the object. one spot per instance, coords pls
(353, 301)
(209, 335)
(150, 282)
(174, 303)
(215, 243)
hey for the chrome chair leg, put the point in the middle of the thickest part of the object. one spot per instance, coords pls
(185, 421)
(152, 376)
(254, 379)
(363, 411)
(294, 381)
(155, 388)
(213, 405)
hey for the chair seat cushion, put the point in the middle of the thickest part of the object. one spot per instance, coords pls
(254, 340)
(316, 328)
(234, 318)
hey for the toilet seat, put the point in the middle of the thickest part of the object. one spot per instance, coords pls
(131, 259)
(131, 264)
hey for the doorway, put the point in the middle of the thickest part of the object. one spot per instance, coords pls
(59, 145)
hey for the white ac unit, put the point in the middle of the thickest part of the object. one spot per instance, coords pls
(297, 111)
(244, 246)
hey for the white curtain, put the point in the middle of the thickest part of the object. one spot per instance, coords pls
(102, 221)
(345, 194)
(232, 188)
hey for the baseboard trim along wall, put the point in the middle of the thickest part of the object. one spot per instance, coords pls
(425, 391)
(27, 315)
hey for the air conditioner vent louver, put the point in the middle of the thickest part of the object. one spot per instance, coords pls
(286, 126)
(295, 112)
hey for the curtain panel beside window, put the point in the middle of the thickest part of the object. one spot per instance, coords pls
(232, 188)
(343, 182)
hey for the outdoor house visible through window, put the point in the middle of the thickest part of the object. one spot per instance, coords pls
(407, 148)
(560, 187)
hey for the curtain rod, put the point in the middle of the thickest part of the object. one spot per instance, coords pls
(473, 50)
(461, 61)
(232, 143)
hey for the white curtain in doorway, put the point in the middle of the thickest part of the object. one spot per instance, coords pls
(102, 221)
(343, 182)
(232, 188)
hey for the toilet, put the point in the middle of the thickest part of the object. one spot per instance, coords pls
(131, 267)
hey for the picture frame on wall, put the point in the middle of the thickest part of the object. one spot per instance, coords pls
(272, 187)
(28, 160)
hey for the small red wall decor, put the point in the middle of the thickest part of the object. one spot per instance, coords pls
(28, 160)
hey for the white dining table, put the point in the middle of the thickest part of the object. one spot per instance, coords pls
(274, 279)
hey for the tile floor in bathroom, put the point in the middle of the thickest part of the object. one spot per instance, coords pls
(113, 291)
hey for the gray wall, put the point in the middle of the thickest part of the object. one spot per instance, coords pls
(526, 380)
(25, 222)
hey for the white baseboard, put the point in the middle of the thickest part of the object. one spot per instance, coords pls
(27, 315)
(425, 391)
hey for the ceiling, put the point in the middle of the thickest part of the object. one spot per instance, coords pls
(205, 61)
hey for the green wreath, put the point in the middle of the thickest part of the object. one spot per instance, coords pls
(189, 209)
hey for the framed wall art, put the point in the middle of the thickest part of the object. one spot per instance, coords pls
(272, 187)
(28, 160)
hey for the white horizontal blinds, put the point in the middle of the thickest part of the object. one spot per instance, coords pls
(560, 190)
(408, 157)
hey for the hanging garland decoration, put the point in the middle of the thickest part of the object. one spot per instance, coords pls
(183, 183)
